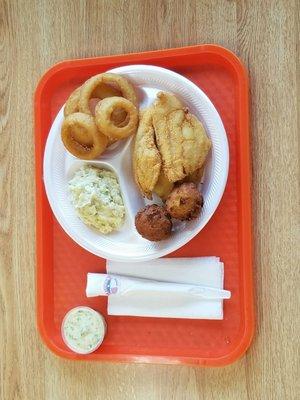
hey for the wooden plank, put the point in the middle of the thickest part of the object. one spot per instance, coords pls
(36, 34)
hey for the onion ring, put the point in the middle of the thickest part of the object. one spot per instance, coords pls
(92, 104)
(81, 136)
(89, 87)
(119, 116)
(104, 90)
(107, 90)
(104, 122)
(72, 105)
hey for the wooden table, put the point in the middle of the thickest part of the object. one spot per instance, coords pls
(36, 34)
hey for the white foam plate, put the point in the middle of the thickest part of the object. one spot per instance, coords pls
(127, 244)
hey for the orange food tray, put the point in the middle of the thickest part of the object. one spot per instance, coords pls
(62, 265)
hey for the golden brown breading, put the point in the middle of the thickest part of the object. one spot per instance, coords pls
(146, 157)
(180, 136)
(195, 177)
(184, 202)
(153, 223)
(71, 105)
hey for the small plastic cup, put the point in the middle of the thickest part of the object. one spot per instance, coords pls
(102, 329)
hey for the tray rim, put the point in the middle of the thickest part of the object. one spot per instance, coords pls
(245, 168)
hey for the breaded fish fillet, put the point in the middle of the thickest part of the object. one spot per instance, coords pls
(180, 137)
(163, 186)
(196, 176)
(146, 157)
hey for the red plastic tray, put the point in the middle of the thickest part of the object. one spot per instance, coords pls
(62, 265)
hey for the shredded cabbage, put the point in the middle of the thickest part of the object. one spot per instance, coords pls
(96, 196)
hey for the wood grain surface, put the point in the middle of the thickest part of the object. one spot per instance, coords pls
(265, 34)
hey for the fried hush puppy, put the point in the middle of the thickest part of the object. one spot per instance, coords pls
(154, 223)
(184, 202)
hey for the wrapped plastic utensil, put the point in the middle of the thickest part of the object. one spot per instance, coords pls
(105, 284)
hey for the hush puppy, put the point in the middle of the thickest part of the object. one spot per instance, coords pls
(154, 223)
(184, 202)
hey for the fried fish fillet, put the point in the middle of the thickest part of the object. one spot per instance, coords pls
(180, 137)
(195, 177)
(146, 157)
(163, 186)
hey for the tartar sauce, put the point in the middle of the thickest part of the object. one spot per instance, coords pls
(83, 329)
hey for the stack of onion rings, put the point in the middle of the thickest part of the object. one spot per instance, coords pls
(98, 113)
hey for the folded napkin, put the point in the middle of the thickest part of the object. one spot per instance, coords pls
(205, 271)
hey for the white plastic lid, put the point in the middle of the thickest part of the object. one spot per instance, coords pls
(83, 329)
